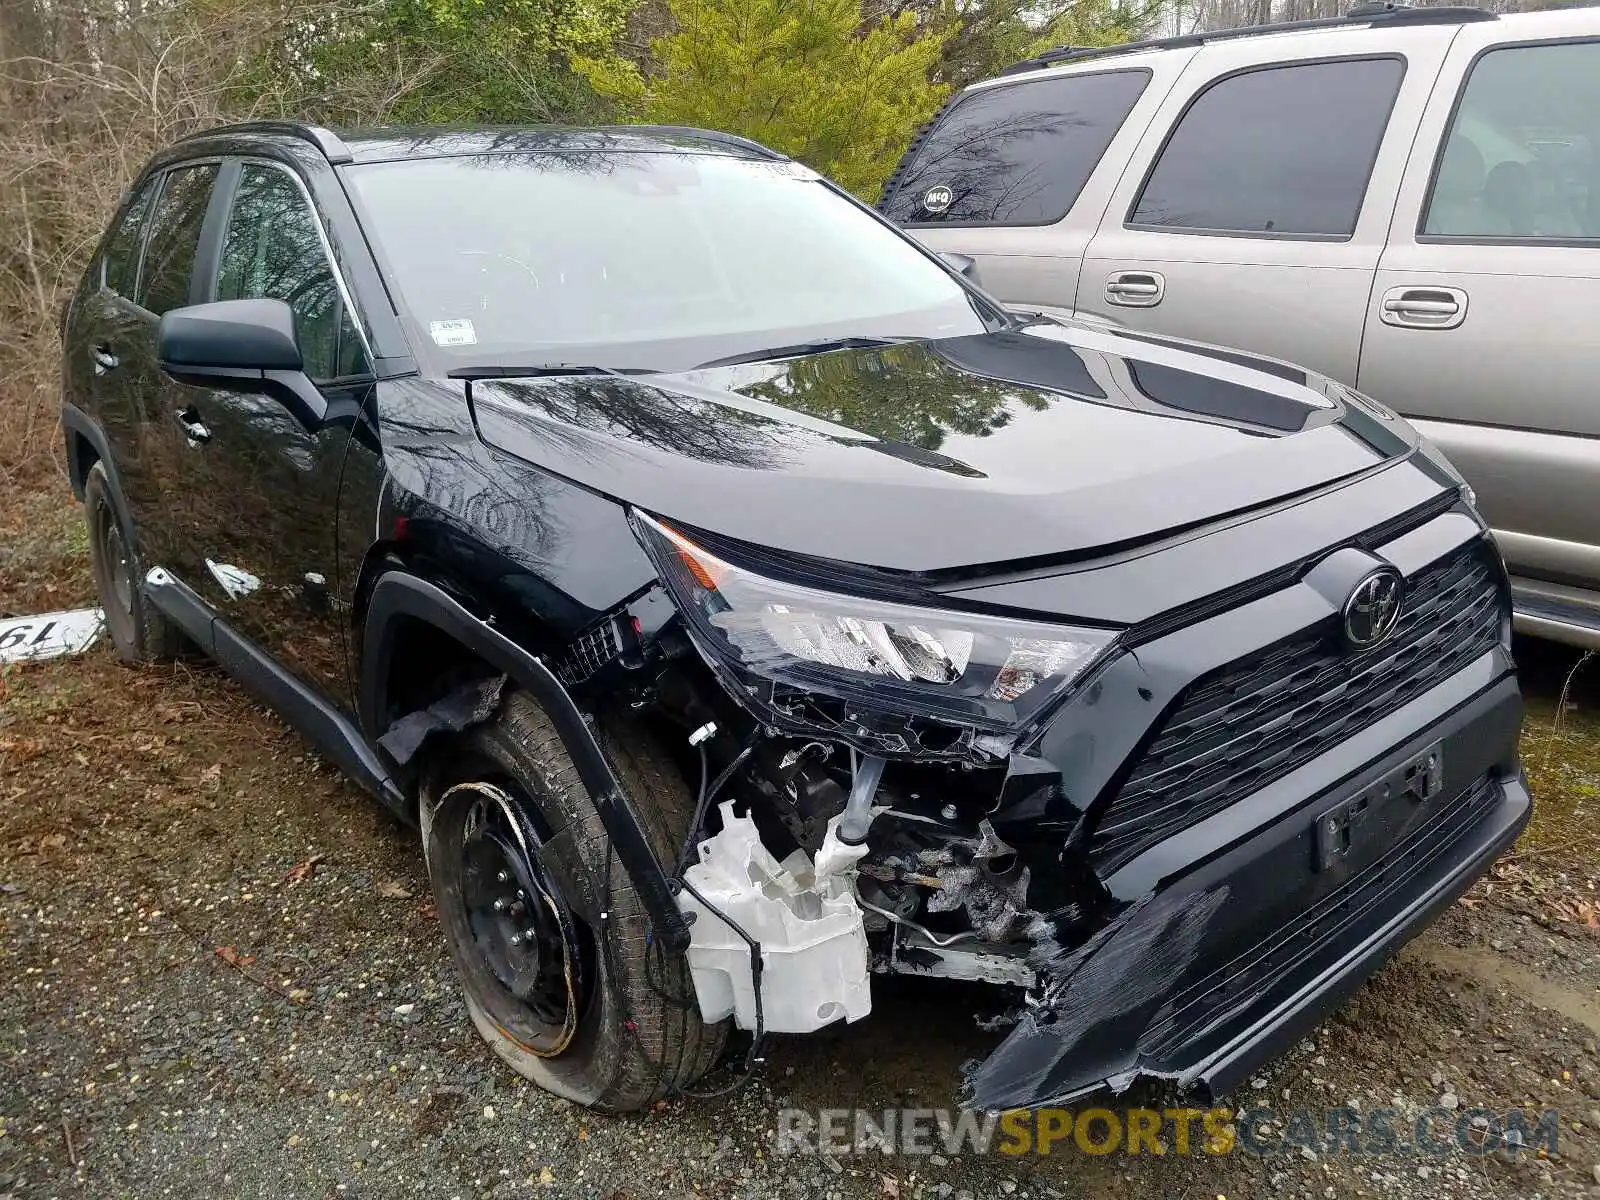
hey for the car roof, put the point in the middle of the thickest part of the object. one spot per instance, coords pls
(391, 143)
(1384, 14)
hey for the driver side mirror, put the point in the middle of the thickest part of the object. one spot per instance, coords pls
(240, 345)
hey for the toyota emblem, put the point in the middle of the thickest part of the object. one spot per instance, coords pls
(938, 198)
(1373, 608)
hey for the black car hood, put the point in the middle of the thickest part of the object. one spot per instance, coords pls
(927, 456)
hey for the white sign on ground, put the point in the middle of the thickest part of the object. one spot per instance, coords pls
(50, 635)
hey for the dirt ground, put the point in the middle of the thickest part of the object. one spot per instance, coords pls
(222, 977)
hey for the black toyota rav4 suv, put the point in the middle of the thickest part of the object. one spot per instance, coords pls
(743, 604)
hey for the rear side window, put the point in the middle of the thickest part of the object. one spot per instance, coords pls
(1017, 154)
(174, 235)
(1520, 160)
(1274, 151)
(122, 251)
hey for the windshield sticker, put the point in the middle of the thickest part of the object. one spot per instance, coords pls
(453, 333)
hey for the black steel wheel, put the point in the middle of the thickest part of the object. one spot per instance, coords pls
(560, 974)
(139, 632)
(527, 945)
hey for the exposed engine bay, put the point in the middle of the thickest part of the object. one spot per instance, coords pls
(935, 891)
(844, 855)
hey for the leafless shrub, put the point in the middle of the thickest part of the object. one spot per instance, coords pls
(88, 90)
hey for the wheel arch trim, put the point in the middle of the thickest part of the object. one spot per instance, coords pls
(397, 595)
(75, 423)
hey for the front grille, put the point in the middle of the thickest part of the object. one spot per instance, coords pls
(1243, 725)
(1362, 901)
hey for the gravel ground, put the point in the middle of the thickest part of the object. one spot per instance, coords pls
(222, 978)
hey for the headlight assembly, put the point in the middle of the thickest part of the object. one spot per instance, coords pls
(962, 668)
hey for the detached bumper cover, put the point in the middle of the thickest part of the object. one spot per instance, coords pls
(1228, 961)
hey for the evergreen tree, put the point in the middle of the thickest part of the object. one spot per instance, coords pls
(806, 77)
(986, 36)
(444, 61)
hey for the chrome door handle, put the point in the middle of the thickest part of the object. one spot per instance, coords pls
(193, 428)
(1135, 289)
(1442, 308)
(1424, 308)
(103, 359)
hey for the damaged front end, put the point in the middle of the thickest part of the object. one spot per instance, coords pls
(1130, 841)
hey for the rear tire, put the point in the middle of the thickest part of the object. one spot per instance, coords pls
(140, 631)
(637, 1035)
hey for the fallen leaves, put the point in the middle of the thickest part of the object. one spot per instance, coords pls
(1557, 896)
(20, 750)
(301, 872)
(1580, 911)
(233, 958)
(889, 1186)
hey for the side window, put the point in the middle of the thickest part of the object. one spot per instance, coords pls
(272, 250)
(1520, 158)
(1277, 150)
(1016, 154)
(174, 235)
(122, 250)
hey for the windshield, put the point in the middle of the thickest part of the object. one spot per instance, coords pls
(660, 260)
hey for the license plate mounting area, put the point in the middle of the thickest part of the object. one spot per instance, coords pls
(1348, 824)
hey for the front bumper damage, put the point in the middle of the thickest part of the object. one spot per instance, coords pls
(1226, 825)
(1249, 939)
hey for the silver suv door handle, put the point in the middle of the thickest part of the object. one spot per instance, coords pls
(1424, 307)
(1135, 289)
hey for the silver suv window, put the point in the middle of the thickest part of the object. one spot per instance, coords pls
(1281, 151)
(1018, 154)
(1520, 159)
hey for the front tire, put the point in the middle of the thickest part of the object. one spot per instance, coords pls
(633, 1033)
(140, 632)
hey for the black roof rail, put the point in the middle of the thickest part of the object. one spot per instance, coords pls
(1382, 12)
(714, 136)
(325, 140)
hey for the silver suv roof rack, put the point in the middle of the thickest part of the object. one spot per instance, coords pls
(1383, 12)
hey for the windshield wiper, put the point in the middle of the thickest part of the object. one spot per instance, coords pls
(802, 348)
(540, 370)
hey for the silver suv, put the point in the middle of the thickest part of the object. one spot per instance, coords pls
(1407, 200)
